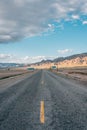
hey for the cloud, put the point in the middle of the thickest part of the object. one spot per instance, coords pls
(76, 17)
(64, 51)
(26, 18)
(34, 59)
(84, 22)
(8, 58)
(5, 56)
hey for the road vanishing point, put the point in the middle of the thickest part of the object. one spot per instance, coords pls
(43, 101)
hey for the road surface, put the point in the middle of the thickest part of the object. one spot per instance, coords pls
(44, 101)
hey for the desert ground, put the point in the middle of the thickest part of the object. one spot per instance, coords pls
(6, 73)
(77, 73)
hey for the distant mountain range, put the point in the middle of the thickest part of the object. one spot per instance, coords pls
(82, 55)
(60, 59)
(7, 65)
(69, 61)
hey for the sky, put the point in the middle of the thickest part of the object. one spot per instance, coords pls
(33, 30)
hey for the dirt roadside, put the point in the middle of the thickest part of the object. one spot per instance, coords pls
(79, 74)
(4, 74)
(11, 80)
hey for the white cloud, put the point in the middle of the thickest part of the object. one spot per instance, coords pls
(76, 17)
(26, 18)
(84, 22)
(34, 59)
(7, 58)
(64, 51)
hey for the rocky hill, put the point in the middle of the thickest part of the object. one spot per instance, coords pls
(70, 61)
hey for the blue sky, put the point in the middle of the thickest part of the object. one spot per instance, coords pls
(60, 29)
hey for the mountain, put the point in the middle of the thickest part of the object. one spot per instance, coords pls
(45, 61)
(82, 55)
(7, 65)
(70, 61)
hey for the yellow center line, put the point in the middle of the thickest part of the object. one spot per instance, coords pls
(42, 117)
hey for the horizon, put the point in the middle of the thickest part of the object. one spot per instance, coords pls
(43, 59)
(31, 31)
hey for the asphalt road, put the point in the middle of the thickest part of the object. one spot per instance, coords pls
(65, 104)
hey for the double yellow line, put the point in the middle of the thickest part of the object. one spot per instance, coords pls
(42, 112)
